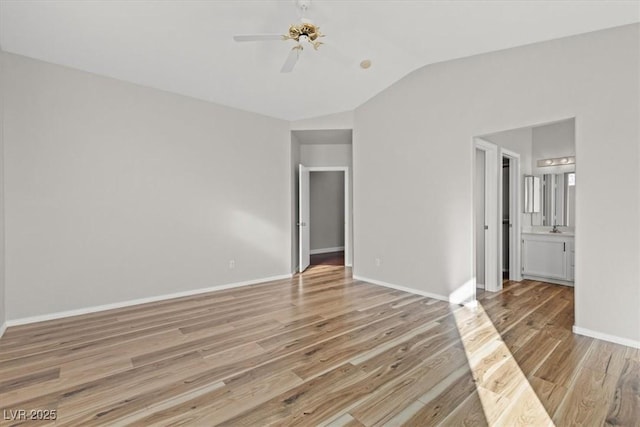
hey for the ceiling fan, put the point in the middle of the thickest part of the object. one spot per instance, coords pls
(304, 32)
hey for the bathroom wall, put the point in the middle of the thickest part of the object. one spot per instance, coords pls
(552, 141)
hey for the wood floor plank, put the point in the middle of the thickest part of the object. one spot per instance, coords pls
(400, 393)
(565, 360)
(582, 404)
(11, 384)
(549, 394)
(222, 406)
(323, 349)
(625, 404)
(470, 412)
(439, 402)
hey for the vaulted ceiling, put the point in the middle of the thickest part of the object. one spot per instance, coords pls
(186, 47)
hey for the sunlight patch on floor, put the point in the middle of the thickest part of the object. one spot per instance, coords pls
(506, 396)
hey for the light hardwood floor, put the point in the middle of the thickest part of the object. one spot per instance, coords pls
(322, 348)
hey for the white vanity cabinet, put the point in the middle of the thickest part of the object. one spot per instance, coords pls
(548, 257)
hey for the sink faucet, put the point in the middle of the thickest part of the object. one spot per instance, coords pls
(555, 229)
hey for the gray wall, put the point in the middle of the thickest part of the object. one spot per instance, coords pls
(343, 120)
(402, 166)
(326, 154)
(519, 141)
(552, 141)
(3, 311)
(116, 192)
(326, 210)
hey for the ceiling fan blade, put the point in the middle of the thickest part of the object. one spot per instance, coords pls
(291, 60)
(257, 37)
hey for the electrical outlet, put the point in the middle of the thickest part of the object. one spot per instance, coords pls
(232, 264)
(378, 262)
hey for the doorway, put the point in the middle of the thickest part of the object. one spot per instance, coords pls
(496, 213)
(323, 214)
(506, 220)
(327, 217)
(509, 208)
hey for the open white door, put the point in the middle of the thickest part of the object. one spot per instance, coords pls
(303, 215)
(493, 279)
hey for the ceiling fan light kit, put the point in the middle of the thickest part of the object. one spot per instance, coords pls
(304, 32)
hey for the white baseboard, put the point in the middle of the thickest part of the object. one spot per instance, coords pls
(3, 328)
(402, 288)
(606, 337)
(326, 250)
(548, 280)
(94, 309)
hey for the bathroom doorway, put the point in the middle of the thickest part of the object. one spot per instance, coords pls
(536, 205)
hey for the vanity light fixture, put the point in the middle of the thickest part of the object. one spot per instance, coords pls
(558, 161)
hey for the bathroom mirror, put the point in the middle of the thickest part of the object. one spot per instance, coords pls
(532, 194)
(559, 199)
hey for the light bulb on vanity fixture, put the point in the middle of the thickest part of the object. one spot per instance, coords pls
(558, 161)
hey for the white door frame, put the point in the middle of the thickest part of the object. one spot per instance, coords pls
(493, 221)
(348, 256)
(515, 269)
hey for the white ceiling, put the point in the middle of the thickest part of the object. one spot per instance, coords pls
(324, 136)
(186, 47)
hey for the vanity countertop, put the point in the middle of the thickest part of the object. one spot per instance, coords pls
(548, 233)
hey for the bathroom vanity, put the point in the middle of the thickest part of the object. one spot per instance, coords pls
(548, 257)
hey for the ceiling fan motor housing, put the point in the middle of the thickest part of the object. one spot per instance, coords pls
(305, 29)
